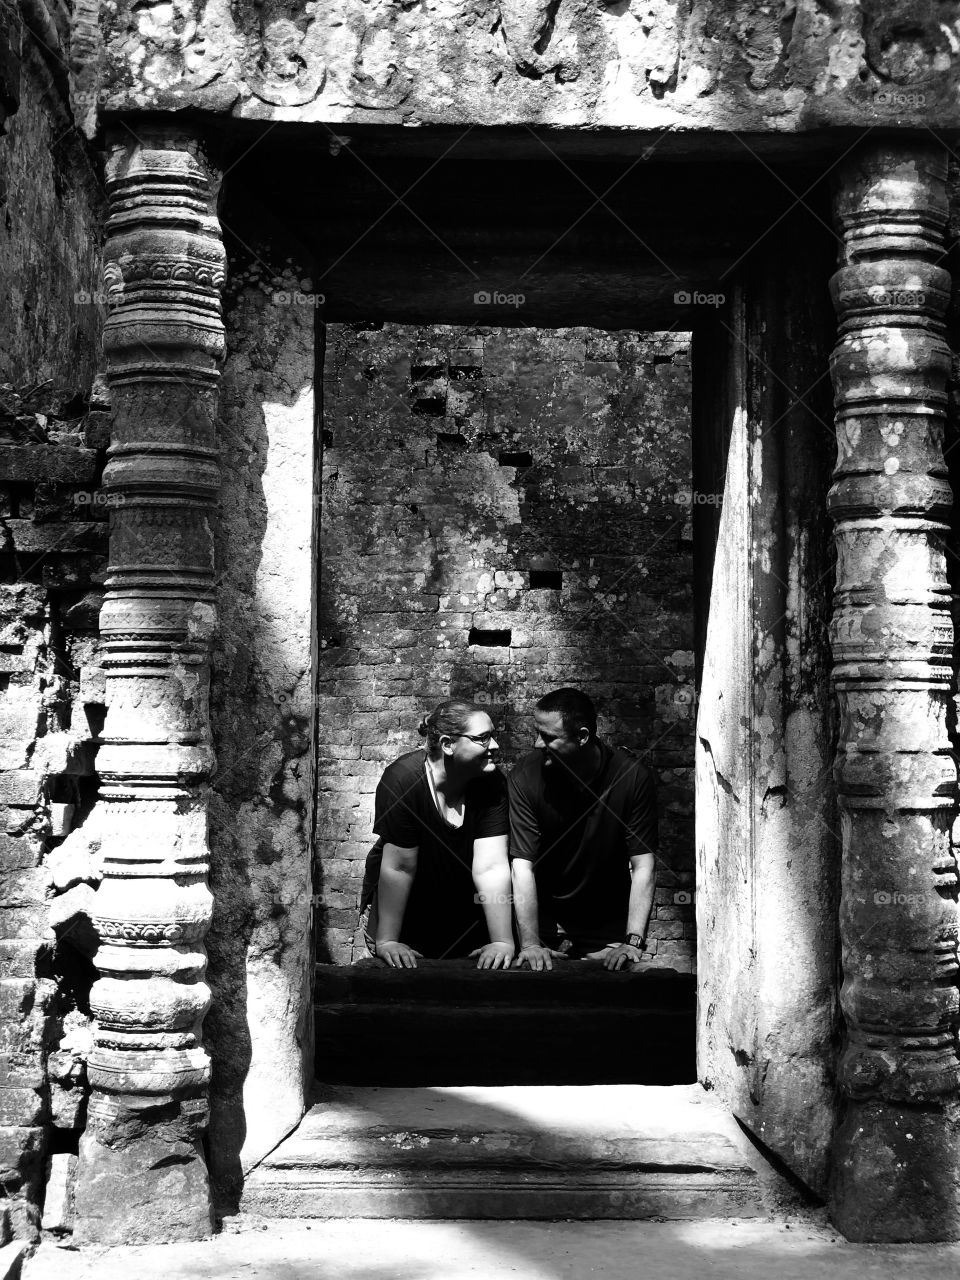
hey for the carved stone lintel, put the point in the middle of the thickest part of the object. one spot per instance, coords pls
(165, 267)
(892, 640)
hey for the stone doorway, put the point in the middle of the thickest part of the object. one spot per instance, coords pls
(288, 298)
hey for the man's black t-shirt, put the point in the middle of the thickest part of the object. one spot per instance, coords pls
(581, 837)
(441, 918)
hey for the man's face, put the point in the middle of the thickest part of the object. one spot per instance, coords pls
(559, 751)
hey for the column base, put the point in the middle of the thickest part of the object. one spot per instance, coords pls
(896, 1173)
(151, 1190)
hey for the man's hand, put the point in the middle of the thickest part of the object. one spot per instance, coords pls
(537, 957)
(616, 955)
(398, 955)
(495, 955)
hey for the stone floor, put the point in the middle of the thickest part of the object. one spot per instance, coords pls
(802, 1249)
(621, 1151)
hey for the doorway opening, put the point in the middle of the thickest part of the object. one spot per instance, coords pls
(504, 510)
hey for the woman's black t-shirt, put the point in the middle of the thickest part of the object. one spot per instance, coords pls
(442, 917)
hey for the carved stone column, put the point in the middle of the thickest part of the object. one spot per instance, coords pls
(142, 1172)
(895, 1165)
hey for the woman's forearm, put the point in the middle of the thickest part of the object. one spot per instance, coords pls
(493, 887)
(393, 893)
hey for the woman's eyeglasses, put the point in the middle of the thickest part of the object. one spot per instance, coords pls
(481, 739)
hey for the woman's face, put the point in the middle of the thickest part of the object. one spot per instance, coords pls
(471, 755)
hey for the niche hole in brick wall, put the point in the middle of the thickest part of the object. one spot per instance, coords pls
(516, 459)
(546, 579)
(450, 440)
(489, 638)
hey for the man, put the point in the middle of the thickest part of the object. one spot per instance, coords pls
(583, 837)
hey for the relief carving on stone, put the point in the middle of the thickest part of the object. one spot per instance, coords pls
(909, 41)
(381, 76)
(528, 27)
(181, 44)
(284, 64)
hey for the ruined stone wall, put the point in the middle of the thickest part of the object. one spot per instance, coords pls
(53, 538)
(504, 511)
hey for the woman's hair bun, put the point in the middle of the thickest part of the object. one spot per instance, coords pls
(423, 728)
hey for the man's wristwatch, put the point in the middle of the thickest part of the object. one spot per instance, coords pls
(635, 940)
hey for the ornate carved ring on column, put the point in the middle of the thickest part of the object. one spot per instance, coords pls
(142, 1174)
(895, 1157)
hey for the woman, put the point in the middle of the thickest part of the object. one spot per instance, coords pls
(438, 879)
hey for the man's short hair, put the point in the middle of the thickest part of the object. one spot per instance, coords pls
(576, 710)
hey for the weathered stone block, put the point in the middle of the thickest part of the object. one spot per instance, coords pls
(47, 462)
(19, 787)
(22, 1107)
(59, 1207)
(154, 1191)
(20, 1150)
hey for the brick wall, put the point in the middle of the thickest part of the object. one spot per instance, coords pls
(504, 511)
(53, 535)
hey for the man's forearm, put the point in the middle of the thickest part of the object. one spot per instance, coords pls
(494, 890)
(525, 903)
(641, 899)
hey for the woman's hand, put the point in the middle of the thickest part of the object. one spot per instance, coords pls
(538, 958)
(398, 955)
(495, 955)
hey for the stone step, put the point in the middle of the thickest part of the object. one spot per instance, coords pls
(448, 1023)
(601, 1151)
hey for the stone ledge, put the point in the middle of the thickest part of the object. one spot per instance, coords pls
(574, 982)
